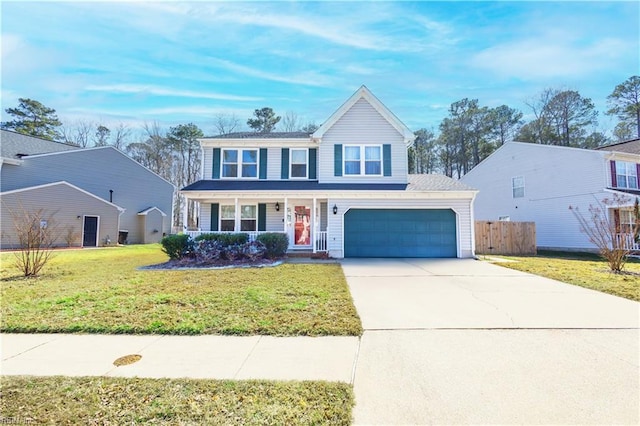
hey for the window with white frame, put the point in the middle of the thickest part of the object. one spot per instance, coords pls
(362, 160)
(627, 221)
(228, 218)
(517, 186)
(299, 161)
(626, 175)
(249, 218)
(241, 163)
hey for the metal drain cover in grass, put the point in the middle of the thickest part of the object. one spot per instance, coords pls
(126, 360)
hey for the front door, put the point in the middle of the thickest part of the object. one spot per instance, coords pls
(302, 226)
(90, 231)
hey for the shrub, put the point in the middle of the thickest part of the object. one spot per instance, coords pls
(276, 243)
(225, 239)
(177, 246)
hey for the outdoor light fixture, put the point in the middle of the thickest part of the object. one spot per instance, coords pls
(277, 207)
(335, 209)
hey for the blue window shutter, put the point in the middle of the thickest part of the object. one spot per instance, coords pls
(262, 217)
(337, 160)
(386, 159)
(215, 174)
(313, 160)
(284, 171)
(263, 163)
(215, 212)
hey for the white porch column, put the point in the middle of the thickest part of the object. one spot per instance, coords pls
(185, 214)
(315, 224)
(236, 225)
(285, 215)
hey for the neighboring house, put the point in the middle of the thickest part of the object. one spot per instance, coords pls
(344, 189)
(538, 183)
(82, 189)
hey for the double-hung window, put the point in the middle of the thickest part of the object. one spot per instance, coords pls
(517, 186)
(228, 218)
(249, 218)
(626, 175)
(241, 163)
(363, 160)
(299, 161)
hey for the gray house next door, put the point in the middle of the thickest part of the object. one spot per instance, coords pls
(90, 231)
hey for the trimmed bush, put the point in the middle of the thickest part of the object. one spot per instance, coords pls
(177, 246)
(276, 243)
(224, 239)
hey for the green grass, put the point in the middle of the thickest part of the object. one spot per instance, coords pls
(102, 291)
(582, 269)
(106, 400)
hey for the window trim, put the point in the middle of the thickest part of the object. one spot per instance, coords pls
(363, 161)
(514, 187)
(254, 219)
(220, 219)
(306, 164)
(629, 166)
(240, 163)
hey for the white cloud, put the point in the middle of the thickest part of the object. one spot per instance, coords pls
(161, 91)
(548, 58)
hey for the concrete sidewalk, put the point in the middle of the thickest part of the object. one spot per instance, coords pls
(211, 357)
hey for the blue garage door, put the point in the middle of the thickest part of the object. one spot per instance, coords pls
(400, 233)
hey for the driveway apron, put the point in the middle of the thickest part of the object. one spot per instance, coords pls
(460, 341)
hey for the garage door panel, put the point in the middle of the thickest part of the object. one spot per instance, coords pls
(400, 233)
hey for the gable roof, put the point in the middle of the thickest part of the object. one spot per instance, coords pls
(65, 183)
(15, 145)
(149, 210)
(364, 93)
(433, 182)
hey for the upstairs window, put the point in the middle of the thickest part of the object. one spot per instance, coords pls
(517, 186)
(626, 175)
(241, 163)
(363, 160)
(299, 161)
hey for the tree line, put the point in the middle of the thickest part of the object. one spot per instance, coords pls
(466, 136)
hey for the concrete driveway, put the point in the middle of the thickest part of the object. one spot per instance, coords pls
(460, 341)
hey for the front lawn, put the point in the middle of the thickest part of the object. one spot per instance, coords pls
(107, 400)
(102, 291)
(581, 269)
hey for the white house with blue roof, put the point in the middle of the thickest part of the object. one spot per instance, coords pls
(345, 189)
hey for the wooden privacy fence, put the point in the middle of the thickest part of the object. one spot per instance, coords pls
(508, 238)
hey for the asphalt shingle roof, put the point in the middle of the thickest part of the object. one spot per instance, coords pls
(256, 135)
(434, 182)
(629, 147)
(16, 145)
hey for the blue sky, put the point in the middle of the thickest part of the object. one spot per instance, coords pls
(181, 62)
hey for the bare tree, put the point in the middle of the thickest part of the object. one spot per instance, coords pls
(119, 136)
(290, 122)
(79, 134)
(226, 123)
(37, 233)
(606, 233)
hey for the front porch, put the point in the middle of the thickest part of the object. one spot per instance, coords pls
(303, 220)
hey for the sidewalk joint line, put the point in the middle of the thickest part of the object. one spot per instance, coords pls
(235, 376)
(356, 359)
(34, 347)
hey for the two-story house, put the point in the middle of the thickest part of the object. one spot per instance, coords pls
(345, 189)
(538, 183)
(96, 196)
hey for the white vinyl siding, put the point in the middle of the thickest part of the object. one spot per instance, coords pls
(462, 208)
(556, 178)
(274, 159)
(207, 163)
(362, 125)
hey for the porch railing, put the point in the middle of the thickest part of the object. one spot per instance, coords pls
(321, 241)
(627, 241)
